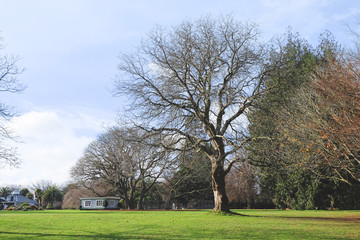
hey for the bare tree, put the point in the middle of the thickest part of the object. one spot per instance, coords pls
(129, 165)
(8, 83)
(195, 83)
(327, 133)
(241, 184)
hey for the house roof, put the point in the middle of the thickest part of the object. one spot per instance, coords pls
(101, 198)
(18, 199)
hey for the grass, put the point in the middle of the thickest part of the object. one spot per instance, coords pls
(252, 224)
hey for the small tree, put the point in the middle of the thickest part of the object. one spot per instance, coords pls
(24, 191)
(29, 195)
(51, 196)
(38, 194)
(5, 191)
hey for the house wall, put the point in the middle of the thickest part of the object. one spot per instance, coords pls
(94, 205)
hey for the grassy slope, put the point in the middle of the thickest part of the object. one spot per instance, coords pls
(257, 224)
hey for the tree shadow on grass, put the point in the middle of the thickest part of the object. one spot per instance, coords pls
(22, 235)
(351, 219)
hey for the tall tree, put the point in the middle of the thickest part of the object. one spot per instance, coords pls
(8, 83)
(194, 84)
(330, 110)
(281, 176)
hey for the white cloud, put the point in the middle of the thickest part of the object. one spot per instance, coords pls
(51, 144)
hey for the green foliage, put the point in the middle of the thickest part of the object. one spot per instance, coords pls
(24, 191)
(286, 76)
(21, 206)
(287, 171)
(29, 195)
(295, 189)
(5, 191)
(193, 180)
(51, 196)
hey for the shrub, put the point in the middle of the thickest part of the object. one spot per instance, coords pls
(22, 206)
(33, 207)
(25, 208)
(11, 208)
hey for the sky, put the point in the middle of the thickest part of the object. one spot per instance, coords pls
(70, 51)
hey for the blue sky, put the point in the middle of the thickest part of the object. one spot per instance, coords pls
(70, 47)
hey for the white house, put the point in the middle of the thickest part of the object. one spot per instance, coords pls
(100, 203)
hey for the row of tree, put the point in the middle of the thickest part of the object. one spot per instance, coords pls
(46, 193)
(285, 113)
(209, 96)
(312, 160)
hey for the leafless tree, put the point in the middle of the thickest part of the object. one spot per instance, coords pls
(8, 83)
(241, 184)
(195, 83)
(323, 127)
(129, 165)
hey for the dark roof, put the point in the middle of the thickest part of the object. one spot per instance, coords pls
(18, 199)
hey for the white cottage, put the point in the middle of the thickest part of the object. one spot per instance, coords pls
(100, 203)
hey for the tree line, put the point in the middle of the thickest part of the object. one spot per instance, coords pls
(215, 109)
(47, 194)
(283, 115)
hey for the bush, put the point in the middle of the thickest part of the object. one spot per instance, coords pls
(25, 208)
(22, 206)
(11, 208)
(33, 207)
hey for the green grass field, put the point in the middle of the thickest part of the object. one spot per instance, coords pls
(253, 224)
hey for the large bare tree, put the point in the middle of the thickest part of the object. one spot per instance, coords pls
(194, 83)
(8, 83)
(118, 159)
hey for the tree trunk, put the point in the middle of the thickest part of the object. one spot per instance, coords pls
(218, 185)
(140, 202)
(249, 201)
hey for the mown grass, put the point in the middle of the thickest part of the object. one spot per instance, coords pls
(251, 224)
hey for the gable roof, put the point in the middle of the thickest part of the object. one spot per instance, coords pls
(18, 199)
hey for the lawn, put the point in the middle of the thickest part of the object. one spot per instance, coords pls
(252, 224)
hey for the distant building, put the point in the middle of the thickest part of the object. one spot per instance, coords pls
(100, 203)
(16, 199)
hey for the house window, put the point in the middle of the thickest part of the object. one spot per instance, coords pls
(112, 203)
(88, 203)
(99, 203)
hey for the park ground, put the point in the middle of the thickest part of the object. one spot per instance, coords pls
(246, 224)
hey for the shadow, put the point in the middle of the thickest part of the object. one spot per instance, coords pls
(334, 219)
(340, 219)
(22, 235)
